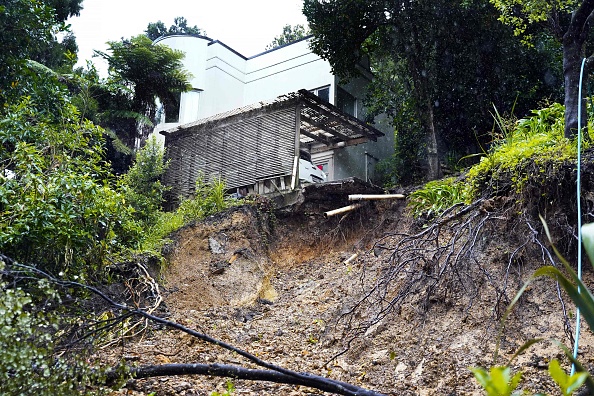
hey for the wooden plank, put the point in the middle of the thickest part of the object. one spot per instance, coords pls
(295, 172)
(317, 138)
(326, 127)
(313, 102)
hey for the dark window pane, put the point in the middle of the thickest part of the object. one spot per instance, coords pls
(346, 102)
(171, 107)
(324, 94)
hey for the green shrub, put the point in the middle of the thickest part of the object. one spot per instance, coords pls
(57, 208)
(437, 196)
(141, 185)
(28, 365)
(209, 198)
(535, 141)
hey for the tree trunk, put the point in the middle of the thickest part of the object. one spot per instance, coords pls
(434, 171)
(573, 53)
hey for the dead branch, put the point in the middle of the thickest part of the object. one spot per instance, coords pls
(236, 372)
(274, 373)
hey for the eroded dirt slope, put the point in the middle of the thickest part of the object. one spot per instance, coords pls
(279, 288)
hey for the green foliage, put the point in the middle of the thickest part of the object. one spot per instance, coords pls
(28, 30)
(154, 30)
(141, 185)
(56, 207)
(289, 35)
(498, 381)
(140, 72)
(27, 362)
(156, 236)
(521, 14)
(523, 153)
(537, 140)
(209, 198)
(567, 383)
(442, 75)
(25, 27)
(228, 392)
(437, 196)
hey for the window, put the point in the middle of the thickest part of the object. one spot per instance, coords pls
(171, 107)
(346, 102)
(322, 92)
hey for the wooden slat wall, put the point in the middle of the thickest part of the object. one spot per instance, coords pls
(242, 152)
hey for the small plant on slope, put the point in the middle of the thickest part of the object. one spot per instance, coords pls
(582, 298)
(437, 196)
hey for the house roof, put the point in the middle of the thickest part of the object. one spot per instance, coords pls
(320, 121)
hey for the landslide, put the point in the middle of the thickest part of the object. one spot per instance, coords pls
(419, 304)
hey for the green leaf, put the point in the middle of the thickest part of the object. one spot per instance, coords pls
(567, 383)
(588, 240)
(498, 381)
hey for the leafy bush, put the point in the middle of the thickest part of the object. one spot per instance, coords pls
(537, 140)
(27, 362)
(209, 198)
(57, 208)
(437, 196)
(141, 185)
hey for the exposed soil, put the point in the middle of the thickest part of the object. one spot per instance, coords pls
(277, 286)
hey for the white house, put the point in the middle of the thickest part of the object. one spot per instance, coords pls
(224, 80)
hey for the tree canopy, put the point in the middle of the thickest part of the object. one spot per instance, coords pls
(28, 31)
(569, 22)
(140, 72)
(154, 30)
(444, 75)
(289, 35)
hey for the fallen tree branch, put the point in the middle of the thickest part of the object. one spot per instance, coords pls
(237, 372)
(273, 374)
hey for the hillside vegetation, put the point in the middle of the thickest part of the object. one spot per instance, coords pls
(418, 305)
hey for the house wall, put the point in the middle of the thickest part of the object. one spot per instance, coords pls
(195, 49)
(244, 150)
(224, 80)
(286, 69)
(360, 160)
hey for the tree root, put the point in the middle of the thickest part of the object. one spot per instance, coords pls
(445, 263)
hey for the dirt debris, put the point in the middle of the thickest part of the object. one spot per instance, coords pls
(276, 287)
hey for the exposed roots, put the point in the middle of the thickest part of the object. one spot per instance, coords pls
(447, 263)
(96, 324)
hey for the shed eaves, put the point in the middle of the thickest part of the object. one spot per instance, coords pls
(319, 120)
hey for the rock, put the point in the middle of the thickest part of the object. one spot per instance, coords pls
(217, 247)
(182, 386)
(218, 267)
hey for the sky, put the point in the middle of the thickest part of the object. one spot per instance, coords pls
(247, 26)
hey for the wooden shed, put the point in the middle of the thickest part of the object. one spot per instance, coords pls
(256, 148)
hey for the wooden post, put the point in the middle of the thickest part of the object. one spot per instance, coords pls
(295, 176)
